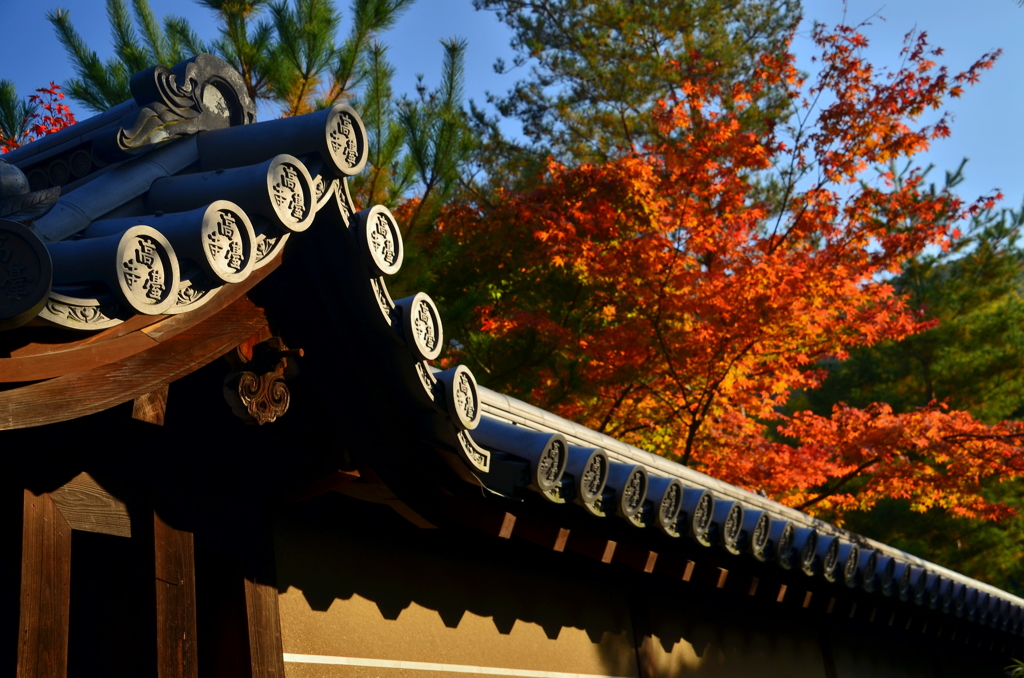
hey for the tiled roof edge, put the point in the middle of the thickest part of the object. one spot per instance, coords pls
(516, 411)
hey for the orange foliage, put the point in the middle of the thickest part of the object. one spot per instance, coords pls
(55, 117)
(667, 299)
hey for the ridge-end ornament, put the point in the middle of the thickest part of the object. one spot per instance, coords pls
(279, 189)
(760, 536)
(292, 193)
(806, 547)
(228, 238)
(830, 562)
(887, 581)
(631, 494)
(784, 546)
(547, 469)
(201, 94)
(218, 238)
(149, 273)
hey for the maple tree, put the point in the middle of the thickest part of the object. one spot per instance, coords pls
(22, 122)
(974, 361)
(974, 358)
(677, 295)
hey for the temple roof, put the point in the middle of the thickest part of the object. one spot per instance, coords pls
(147, 220)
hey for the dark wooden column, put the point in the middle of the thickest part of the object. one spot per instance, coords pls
(266, 654)
(239, 621)
(169, 585)
(44, 603)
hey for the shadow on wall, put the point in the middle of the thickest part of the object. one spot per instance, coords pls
(343, 550)
(356, 550)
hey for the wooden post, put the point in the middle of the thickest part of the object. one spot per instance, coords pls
(45, 601)
(239, 621)
(266, 653)
(169, 584)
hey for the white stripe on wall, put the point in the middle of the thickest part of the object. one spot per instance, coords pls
(428, 666)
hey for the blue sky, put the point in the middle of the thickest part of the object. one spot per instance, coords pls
(985, 129)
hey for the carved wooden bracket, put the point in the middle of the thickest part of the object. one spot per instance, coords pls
(257, 390)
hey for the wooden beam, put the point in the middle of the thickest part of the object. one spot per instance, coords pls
(88, 507)
(637, 557)
(489, 519)
(543, 533)
(46, 358)
(369, 487)
(151, 407)
(672, 565)
(591, 545)
(329, 483)
(688, 570)
(45, 590)
(76, 395)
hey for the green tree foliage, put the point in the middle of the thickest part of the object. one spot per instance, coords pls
(291, 56)
(419, 149)
(246, 41)
(15, 114)
(287, 51)
(987, 551)
(598, 67)
(973, 359)
(138, 44)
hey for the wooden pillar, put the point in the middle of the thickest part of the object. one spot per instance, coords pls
(266, 653)
(239, 621)
(44, 602)
(169, 575)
